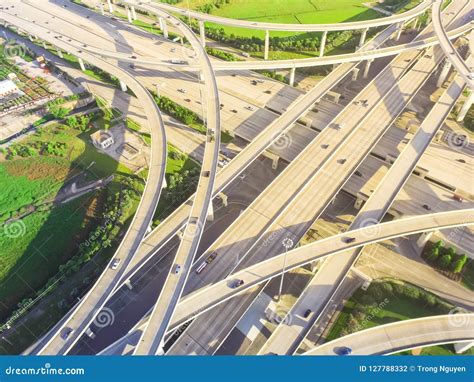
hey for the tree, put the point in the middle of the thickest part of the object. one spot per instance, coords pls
(444, 261)
(458, 265)
(434, 254)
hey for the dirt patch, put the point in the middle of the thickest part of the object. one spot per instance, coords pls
(34, 170)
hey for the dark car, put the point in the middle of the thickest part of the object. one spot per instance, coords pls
(343, 350)
(237, 283)
(234, 111)
(307, 313)
(349, 240)
(426, 207)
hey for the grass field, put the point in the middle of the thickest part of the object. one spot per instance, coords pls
(379, 306)
(48, 230)
(288, 11)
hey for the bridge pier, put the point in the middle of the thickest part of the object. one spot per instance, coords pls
(81, 64)
(202, 32)
(367, 67)
(129, 15)
(423, 239)
(362, 37)
(128, 284)
(111, 7)
(60, 53)
(101, 8)
(415, 24)
(30, 37)
(465, 107)
(359, 202)
(44, 45)
(399, 31)
(163, 26)
(164, 184)
(267, 45)
(444, 73)
(461, 347)
(123, 86)
(355, 73)
(224, 198)
(323, 44)
(292, 76)
(134, 13)
(210, 212)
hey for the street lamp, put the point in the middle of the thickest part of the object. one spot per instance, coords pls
(287, 243)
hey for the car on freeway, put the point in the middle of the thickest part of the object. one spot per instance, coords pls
(182, 91)
(237, 283)
(67, 332)
(115, 264)
(343, 350)
(187, 99)
(211, 257)
(426, 207)
(251, 108)
(234, 111)
(349, 240)
(307, 312)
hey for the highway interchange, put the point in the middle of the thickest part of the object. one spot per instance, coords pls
(321, 165)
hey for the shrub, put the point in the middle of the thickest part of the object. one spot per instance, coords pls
(444, 261)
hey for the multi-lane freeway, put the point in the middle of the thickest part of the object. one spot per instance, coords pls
(321, 164)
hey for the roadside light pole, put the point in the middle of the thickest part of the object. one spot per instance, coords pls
(287, 243)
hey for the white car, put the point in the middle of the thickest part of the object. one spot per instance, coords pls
(115, 264)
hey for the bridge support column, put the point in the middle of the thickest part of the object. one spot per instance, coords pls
(423, 239)
(164, 184)
(129, 15)
(465, 107)
(355, 73)
(224, 199)
(129, 284)
(210, 212)
(81, 64)
(444, 73)
(60, 53)
(399, 31)
(163, 26)
(461, 347)
(362, 37)
(415, 24)
(367, 68)
(44, 45)
(134, 13)
(123, 86)
(202, 32)
(111, 7)
(292, 76)
(358, 203)
(101, 8)
(30, 37)
(267, 45)
(323, 44)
